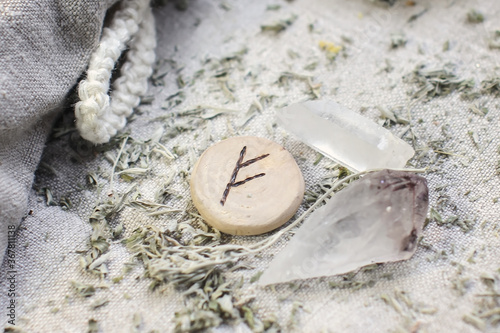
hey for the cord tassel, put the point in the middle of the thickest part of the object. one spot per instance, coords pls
(99, 117)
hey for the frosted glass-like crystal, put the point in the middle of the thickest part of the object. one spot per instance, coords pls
(376, 219)
(345, 136)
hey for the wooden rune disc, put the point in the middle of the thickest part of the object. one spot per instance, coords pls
(246, 185)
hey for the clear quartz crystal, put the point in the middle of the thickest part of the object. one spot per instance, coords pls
(376, 219)
(345, 136)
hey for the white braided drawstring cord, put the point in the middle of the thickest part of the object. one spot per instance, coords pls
(98, 119)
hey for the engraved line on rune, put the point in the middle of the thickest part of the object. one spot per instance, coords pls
(240, 164)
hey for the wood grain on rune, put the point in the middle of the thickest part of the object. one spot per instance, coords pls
(246, 185)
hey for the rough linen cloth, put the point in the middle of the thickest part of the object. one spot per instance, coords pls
(45, 46)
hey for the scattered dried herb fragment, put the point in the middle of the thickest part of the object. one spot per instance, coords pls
(65, 203)
(491, 86)
(331, 49)
(313, 88)
(99, 303)
(49, 197)
(478, 109)
(224, 5)
(294, 320)
(207, 304)
(273, 7)
(494, 42)
(93, 326)
(347, 283)
(438, 81)
(385, 2)
(446, 46)
(414, 17)
(13, 329)
(398, 40)
(137, 322)
(279, 26)
(474, 321)
(474, 16)
(256, 277)
(85, 290)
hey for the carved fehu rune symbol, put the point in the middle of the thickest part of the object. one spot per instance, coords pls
(240, 164)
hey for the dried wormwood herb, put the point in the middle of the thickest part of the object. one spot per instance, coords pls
(346, 281)
(398, 40)
(85, 290)
(391, 117)
(99, 303)
(208, 303)
(350, 284)
(314, 89)
(478, 109)
(414, 17)
(385, 2)
(280, 25)
(93, 326)
(407, 308)
(273, 7)
(432, 82)
(474, 16)
(491, 86)
(101, 231)
(132, 159)
(494, 42)
(487, 312)
(331, 50)
(255, 108)
(168, 260)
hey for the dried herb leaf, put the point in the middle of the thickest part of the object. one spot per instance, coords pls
(433, 82)
(474, 16)
(85, 290)
(280, 25)
(93, 326)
